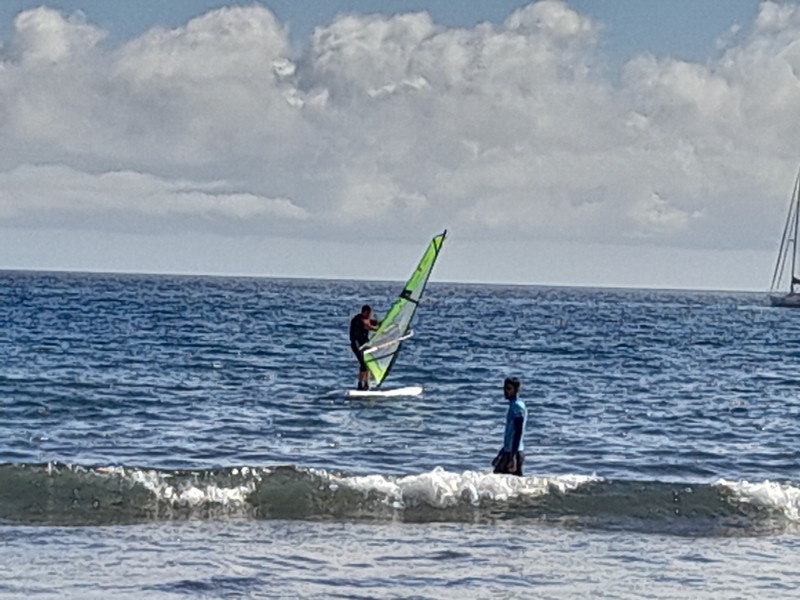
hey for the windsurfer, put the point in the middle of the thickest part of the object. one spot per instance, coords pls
(511, 456)
(360, 326)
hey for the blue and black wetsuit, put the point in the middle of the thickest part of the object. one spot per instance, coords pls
(513, 442)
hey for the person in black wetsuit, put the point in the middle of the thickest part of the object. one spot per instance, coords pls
(360, 326)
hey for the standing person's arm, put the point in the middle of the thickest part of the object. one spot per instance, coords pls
(519, 422)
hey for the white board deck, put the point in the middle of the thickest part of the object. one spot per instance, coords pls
(412, 390)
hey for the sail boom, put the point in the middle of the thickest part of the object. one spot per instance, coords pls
(370, 348)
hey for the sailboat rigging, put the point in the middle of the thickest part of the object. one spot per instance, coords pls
(383, 347)
(787, 257)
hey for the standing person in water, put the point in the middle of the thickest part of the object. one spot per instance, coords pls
(360, 326)
(511, 456)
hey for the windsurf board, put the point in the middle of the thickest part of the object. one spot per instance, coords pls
(411, 390)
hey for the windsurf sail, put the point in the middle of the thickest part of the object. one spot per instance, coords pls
(382, 349)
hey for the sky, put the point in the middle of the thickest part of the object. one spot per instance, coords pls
(618, 143)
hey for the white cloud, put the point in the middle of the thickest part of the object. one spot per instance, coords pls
(29, 190)
(372, 196)
(553, 19)
(355, 54)
(169, 100)
(516, 128)
(655, 213)
(43, 36)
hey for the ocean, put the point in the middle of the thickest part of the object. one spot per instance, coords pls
(191, 437)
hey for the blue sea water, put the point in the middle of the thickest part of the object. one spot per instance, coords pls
(171, 437)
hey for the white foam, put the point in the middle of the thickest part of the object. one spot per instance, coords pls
(780, 497)
(443, 489)
(190, 493)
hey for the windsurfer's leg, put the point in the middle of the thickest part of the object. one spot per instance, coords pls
(363, 379)
(363, 374)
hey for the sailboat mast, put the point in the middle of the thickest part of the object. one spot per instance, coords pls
(788, 241)
(795, 200)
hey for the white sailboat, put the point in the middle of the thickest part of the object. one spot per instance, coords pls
(786, 265)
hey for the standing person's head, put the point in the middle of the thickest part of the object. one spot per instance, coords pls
(511, 388)
(366, 311)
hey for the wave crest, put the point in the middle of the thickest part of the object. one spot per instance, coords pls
(56, 493)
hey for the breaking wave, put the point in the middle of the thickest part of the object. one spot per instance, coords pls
(62, 494)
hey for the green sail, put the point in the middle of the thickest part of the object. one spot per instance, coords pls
(383, 347)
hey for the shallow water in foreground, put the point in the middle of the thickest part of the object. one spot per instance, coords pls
(280, 559)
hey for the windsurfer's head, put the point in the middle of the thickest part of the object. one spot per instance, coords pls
(366, 310)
